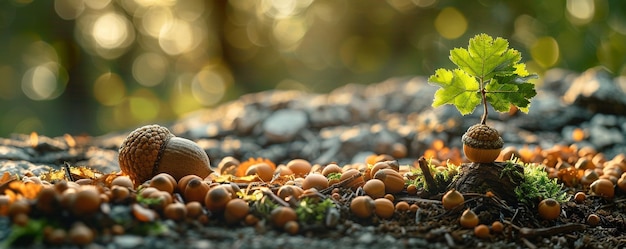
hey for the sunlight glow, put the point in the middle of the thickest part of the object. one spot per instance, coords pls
(111, 30)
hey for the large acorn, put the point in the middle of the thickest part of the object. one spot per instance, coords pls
(153, 149)
(482, 144)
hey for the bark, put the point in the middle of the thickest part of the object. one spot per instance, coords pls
(496, 177)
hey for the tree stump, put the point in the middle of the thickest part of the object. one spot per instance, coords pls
(500, 178)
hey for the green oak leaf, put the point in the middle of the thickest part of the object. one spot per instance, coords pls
(457, 88)
(487, 64)
(501, 96)
(486, 57)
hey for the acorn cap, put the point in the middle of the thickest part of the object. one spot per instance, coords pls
(141, 151)
(481, 136)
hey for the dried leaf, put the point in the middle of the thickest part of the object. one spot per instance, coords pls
(6, 177)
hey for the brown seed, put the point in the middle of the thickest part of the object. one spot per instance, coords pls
(549, 209)
(378, 166)
(469, 219)
(182, 183)
(394, 182)
(264, 171)
(48, 200)
(481, 231)
(164, 198)
(299, 167)
(362, 206)
(194, 209)
(123, 181)
(228, 165)
(374, 188)
(580, 197)
(80, 234)
(282, 170)
(411, 189)
(508, 153)
(292, 227)
(143, 214)
(175, 211)
(236, 211)
(497, 227)
(452, 199)
(289, 190)
(281, 215)
(331, 168)
(251, 220)
(68, 197)
(356, 182)
(87, 201)
(196, 190)
(119, 193)
(217, 198)
(593, 220)
(60, 186)
(384, 208)
(604, 188)
(146, 192)
(621, 182)
(413, 208)
(315, 180)
(163, 182)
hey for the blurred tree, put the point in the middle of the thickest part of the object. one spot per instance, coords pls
(94, 66)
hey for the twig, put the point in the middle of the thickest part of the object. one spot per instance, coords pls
(431, 184)
(68, 173)
(412, 200)
(341, 184)
(275, 198)
(526, 232)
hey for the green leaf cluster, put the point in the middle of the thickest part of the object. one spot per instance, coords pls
(312, 210)
(537, 186)
(488, 65)
(442, 178)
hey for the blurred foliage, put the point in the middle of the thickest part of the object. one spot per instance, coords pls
(94, 66)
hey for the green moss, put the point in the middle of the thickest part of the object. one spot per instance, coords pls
(442, 178)
(537, 185)
(334, 176)
(310, 210)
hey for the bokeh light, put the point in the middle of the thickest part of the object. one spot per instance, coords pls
(451, 23)
(149, 69)
(109, 89)
(107, 65)
(580, 11)
(545, 51)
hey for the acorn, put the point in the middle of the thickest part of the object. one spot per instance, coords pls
(482, 144)
(549, 209)
(153, 149)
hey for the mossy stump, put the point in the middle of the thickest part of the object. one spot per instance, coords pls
(500, 178)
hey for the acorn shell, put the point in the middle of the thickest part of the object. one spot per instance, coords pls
(153, 149)
(480, 155)
(482, 144)
(394, 182)
(183, 157)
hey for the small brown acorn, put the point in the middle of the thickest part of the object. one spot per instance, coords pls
(482, 144)
(152, 149)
